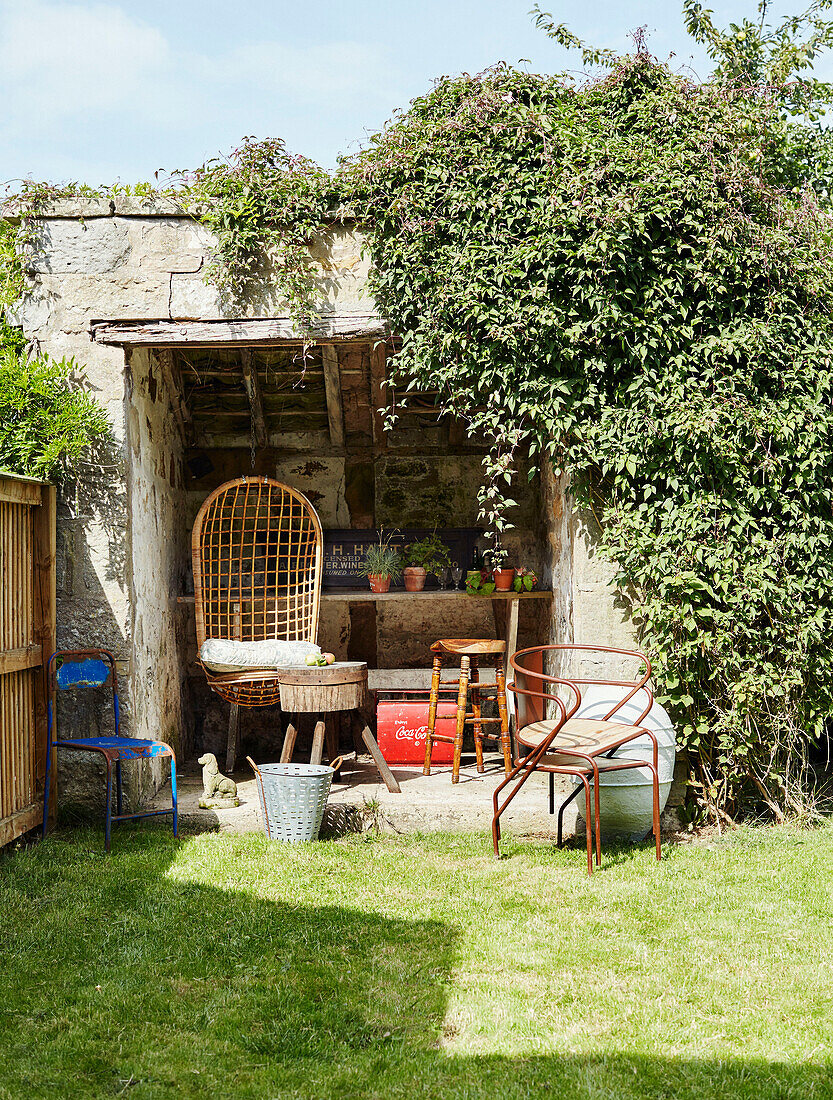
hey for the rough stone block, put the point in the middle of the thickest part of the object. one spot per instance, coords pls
(191, 297)
(93, 247)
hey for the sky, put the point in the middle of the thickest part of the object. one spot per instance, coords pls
(101, 92)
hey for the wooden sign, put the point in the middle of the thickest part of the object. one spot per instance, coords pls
(344, 552)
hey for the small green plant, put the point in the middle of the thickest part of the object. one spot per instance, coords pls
(382, 559)
(430, 554)
(479, 584)
(525, 580)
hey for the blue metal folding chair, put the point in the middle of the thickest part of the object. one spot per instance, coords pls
(87, 668)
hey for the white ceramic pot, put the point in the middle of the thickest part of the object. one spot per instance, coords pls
(626, 797)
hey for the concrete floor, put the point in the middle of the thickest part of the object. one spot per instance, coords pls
(360, 800)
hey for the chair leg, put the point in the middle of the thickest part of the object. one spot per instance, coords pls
(317, 740)
(503, 711)
(174, 803)
(562, 808)
(108, 812)
(655, 780)
(474, 680)
(118, 788)
(289, 741)
(462, 705)
(588, 830)
(46, 781)
(436, 672)
(552, 801)
(597, 823)
(331, 737)
(233, 737)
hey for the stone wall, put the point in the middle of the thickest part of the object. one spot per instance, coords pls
(122, 558)
(158, 542)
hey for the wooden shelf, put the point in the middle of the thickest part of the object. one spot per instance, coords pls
(364, 595)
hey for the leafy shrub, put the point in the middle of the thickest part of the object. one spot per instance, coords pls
(46, 420)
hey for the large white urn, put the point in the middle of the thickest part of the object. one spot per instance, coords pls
(625, 797)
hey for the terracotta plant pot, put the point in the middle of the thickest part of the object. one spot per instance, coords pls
(378, 583)
(414, 578)
(503, 579)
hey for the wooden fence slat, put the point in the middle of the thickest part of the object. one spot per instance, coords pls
(27, 639)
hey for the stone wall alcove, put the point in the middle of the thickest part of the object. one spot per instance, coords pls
(198, 416)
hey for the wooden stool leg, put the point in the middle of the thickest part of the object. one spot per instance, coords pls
(317, 740)
(503, 710)
(475, 708)
(432, 712)
(233, 736)
(462, 706)
(332, 737)
(382, 764)
(289, 741)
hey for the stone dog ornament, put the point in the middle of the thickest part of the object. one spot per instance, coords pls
(218, 790)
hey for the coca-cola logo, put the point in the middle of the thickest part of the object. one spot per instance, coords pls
(404, 732)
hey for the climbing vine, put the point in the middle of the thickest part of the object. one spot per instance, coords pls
(612, 279)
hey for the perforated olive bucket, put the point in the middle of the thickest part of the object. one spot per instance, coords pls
(292, 799)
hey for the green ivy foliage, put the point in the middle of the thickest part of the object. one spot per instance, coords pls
(612, 277)
(263, 205)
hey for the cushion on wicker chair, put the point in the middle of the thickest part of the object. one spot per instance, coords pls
(227, 655)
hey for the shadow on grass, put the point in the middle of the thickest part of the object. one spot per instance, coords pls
(122, 980)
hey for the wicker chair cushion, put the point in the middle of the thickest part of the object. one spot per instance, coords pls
(227, 655)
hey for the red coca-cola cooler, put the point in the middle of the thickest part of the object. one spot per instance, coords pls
(402, 726)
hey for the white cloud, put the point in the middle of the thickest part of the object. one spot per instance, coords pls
(62, 59)
(89, 84)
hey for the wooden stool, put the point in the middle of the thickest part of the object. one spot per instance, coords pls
(328, 689)
(470, 651)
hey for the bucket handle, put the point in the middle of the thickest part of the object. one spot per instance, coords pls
(334, 764)
(261, 792)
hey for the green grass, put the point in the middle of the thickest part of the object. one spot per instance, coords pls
(419, 967)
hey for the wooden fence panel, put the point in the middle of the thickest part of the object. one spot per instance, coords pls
(27, 638)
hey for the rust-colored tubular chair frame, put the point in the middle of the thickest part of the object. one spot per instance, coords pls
(267, 526)
(534, 760)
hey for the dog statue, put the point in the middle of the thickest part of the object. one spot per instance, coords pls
(217, 789)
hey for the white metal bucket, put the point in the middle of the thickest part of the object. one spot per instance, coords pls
(292, 799)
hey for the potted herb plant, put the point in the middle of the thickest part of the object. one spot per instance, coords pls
(525, 580)
(503, 576)
(382, 564)
(429, 555)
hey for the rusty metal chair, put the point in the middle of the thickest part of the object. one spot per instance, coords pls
(579, 747)
(257, 554)
(469, 652)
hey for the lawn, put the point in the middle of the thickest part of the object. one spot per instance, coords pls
(229, 966)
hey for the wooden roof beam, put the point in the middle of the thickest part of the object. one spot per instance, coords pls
(332, 391)
(257, 331)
